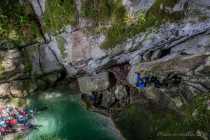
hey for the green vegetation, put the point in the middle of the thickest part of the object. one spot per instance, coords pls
(58, 14)
(61, 43)
(28, 67)
(2, 69)
(121, 31)
(139, 22)
(17, 22)
(102, 11)
(18, 102)
(139, 123)
(161, 12)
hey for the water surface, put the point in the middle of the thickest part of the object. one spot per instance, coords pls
(67, 119)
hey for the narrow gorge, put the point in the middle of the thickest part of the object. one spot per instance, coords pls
(135, 69)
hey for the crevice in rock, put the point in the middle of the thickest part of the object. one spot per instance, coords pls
(40, 61)
(57, 59)
(40, 6)
(37, 20)
(165, 52)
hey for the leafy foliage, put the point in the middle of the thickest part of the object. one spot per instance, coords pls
(58, 14)
(17, 22)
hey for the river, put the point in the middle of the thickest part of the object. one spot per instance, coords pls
(67, 119)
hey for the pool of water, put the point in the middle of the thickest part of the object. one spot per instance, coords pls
(67, 119)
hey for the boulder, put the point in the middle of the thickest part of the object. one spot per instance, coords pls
(98, 82)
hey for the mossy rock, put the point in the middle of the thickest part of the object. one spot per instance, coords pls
(154, 17)
(58, 14)
(61, 45)
(18, 22)
(159, 10)
(101, 11)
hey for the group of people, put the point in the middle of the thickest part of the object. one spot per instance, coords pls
(171, 79)
(142, 82)
(15, 120)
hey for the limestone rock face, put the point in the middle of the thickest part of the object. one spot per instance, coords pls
(138, 5)
(174, 49)
(69, 51)
(39, 7)
(97, 82)
(75, 51)
(180, 77)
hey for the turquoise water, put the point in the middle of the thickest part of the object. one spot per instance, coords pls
(66, 119)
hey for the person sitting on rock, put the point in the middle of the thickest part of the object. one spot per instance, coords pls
(21, 119)
(139, 81)
(142, 82)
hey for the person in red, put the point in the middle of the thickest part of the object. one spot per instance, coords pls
(13, 122)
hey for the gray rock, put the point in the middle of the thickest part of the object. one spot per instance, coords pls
(49, 61)
(52, 78)
(138, 5)
(93, 83)
(178, 102)
(204, 3)
(180, 6)
(108, 99)
(120, 92)
(191, 82)
(39, 7)
(152, 94)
